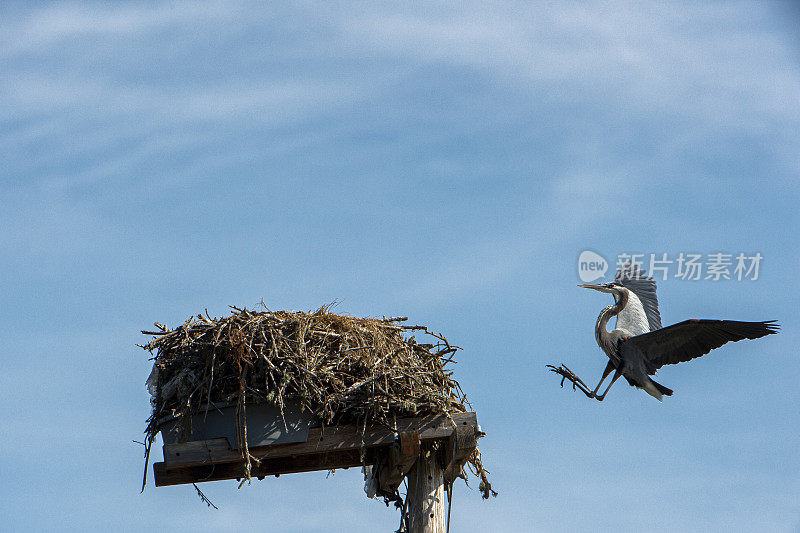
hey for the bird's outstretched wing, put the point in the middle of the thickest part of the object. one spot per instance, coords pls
(635, 279)
(690, 339)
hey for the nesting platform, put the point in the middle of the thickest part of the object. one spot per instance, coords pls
(260, 393)
(392, 452)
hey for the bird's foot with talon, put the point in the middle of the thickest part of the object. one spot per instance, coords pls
(567, 374)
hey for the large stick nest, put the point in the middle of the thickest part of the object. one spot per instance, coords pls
(343, 369)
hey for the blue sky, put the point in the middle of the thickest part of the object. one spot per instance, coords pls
(444, 163)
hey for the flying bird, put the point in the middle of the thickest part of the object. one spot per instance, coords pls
(638, 346)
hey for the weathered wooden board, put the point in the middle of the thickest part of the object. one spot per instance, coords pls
(266, 467)
(333, 447)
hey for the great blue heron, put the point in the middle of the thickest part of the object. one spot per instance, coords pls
(639, 346)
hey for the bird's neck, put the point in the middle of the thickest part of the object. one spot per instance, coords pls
(605, 315)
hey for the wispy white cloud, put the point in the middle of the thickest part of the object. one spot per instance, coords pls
(645, 55)
(80, 116)
(643, 63)
(690, 75)
(270, 100)
(687, 61)
(57, 25)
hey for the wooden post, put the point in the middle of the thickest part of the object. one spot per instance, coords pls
(427, 512)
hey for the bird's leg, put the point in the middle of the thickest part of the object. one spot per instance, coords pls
(617, 374)
(609, 367)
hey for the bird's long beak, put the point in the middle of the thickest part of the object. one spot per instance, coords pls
(595, 286)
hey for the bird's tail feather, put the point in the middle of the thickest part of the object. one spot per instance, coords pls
(656, 390)
(662, 389)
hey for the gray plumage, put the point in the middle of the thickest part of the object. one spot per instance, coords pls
(639, 346)
(689, 339)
